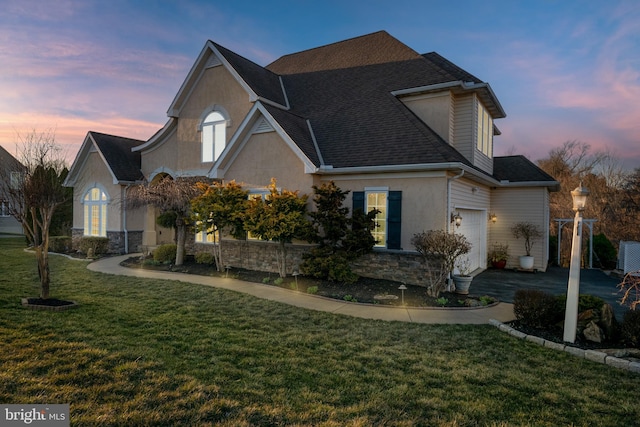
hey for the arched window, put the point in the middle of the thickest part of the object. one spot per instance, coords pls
(213, 136)
(95, 212)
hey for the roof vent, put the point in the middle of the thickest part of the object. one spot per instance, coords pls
(213, 61)
(262, 126)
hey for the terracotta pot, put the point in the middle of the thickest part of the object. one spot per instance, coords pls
(499, 264)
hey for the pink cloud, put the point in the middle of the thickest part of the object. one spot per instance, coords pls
(69, 131)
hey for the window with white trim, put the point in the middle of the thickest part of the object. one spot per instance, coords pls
(213, 136)
(257, 195)
(485, 132)
(207, 236)
(95, 213)
(377, 199)
(4, 208)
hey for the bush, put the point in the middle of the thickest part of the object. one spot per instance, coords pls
(630, 328)
(97, 245)
(322, 263)
(536, 309)
(165, 253)
(585, 302)
(205, 258)
(60, 244)
(605, 251)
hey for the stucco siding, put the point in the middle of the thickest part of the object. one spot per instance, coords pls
(424, 199)
(216, 87)
(95, 173)
(265, 156)
(164, 154)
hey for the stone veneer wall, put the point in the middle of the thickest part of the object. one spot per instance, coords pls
(401, 267)
(256, 255)
(116, 240)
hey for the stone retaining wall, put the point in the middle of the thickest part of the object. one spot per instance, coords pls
(261, 256)
(116, 240)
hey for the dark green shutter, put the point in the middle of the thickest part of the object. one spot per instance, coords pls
(358, 201)
(394, 220)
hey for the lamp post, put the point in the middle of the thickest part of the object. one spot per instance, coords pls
(579, 196)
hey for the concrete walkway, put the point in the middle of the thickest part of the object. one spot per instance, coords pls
(502, 312)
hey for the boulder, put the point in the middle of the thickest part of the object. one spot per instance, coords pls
(586, 317)
(593, 333)
(607, 321)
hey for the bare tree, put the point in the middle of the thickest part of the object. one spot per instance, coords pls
(170, 196)
(35, 191)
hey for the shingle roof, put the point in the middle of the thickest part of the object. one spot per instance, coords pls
(8, 162)
(124, 163)
(518, 169)
(344, 90)
(264, 82)
(371, 49)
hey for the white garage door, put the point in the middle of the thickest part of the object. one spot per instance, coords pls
(474, 228)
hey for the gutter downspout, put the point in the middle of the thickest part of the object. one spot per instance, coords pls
(449, 210)
(124, 219)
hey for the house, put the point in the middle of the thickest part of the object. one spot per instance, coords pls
(10, 170)
(409, 134)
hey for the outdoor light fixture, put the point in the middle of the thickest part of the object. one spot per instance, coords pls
(579, 196)
(493, 218)
(402, 289)
(456, 218)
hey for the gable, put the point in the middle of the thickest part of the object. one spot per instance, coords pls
(115, 152)
(260, 121)
(257, 82)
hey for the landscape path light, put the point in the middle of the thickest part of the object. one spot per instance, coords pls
(579, 196)
(402, 289)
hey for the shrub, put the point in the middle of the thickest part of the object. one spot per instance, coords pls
(204, 258)
(322, 263)
(630, 328)
(605, 251)
(98, 245)
(585, 302)
(60, 244)
(536, 309)
(312, 290)
(165, 253)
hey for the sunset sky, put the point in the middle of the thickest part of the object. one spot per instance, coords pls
(563, 70)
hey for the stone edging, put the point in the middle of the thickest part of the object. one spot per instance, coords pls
(593, 355)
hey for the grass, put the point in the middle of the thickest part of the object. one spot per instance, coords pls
(153, 352)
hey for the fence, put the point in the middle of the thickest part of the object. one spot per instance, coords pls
(629, 256)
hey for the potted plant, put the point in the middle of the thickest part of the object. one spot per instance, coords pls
(530, 233)
(463, 279)
(499, 255)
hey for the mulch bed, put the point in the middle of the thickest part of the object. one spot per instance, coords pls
(365, 290)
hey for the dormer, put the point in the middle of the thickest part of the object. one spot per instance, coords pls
(461, 113)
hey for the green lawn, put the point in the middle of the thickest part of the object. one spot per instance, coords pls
(151, 352)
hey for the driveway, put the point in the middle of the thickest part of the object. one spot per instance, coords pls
(503, 284)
